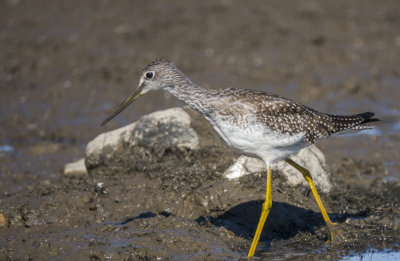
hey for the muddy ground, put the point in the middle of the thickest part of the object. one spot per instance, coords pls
(66, 64)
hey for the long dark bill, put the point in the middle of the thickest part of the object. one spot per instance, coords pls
(134, 95)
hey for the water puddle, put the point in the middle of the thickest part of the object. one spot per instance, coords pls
(373, 255)
(6, 149)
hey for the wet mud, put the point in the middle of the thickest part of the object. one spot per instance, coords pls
(66, 65)
(173, 203)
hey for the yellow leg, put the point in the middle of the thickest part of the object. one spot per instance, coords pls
(306, 174)
(264, 214)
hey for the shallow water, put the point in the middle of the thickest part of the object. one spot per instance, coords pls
(374, 255)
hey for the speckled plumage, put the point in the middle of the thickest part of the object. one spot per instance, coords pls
(257, 123)
(252, 122)
(287, 117)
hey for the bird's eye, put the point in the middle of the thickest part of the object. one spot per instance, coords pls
(149, 75)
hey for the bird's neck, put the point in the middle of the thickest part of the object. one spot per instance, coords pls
(193, 95)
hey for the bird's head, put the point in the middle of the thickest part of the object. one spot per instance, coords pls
(158, 75)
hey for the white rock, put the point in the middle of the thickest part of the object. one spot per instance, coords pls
(111, 140)
(76, 168)
(162, 129)
(311, 158)
(243, 166)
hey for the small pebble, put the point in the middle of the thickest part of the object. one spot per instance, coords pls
(2, 220)
(76, 168)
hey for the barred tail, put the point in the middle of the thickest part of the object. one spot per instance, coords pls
(353, 122)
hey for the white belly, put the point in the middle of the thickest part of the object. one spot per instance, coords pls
(258, 141)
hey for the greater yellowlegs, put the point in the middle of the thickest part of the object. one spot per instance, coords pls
(254, 123)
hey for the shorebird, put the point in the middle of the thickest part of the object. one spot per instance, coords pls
(253, 123)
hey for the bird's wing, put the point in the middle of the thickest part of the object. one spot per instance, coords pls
(288, 117)
(276, 113)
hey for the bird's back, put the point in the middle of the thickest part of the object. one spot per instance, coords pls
(249, 108)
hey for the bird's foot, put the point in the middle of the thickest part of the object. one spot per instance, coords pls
(334, 234)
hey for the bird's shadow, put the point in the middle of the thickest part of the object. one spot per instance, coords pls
(284, 220)
(143, 215)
